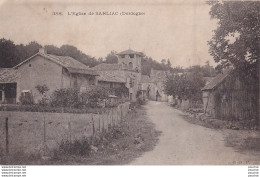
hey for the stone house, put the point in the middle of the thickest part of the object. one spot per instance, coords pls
(145, 86)
(158, 77)
(127, 71)
(55, 72)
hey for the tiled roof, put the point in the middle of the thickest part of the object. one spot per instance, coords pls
(107, 76)
(8, 75)
(217, 80)
(67, 62)
(106, 67)
(82, 71)
(129, 51)
(145, 79)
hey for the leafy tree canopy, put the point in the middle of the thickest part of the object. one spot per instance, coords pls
(236, 40)
(186, 86)
(111, 57)
(12, 54)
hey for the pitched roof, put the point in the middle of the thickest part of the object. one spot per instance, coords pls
(8, 75)
(67, 62)
(145, 79)
(208, 79)
(106, 67)
(82, 71)
(129, 51)
(107, 76)
(217, 80)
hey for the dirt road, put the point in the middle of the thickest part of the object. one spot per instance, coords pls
(183, 143)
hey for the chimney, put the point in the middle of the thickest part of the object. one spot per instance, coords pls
(42, 50)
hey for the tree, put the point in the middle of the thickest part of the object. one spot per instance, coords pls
(186, 86)
(7, 53)
(236, 40)
(111, 57)
(163, 61)
(31, 49)
(169, 65)
(51, 49)
(95, 95)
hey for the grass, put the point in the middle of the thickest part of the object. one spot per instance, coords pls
(243, 141)
(123, 143)
(39, 108)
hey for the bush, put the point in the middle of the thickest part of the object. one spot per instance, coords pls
(44, 102)
(66, 97)
(122, 91)
(26, 99)
(77, 147)
(140, 101)
(42, 89)
(95, 96)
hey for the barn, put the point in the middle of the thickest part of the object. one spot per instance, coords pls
(228, 97)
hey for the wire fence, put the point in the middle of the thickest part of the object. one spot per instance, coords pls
(34, 132)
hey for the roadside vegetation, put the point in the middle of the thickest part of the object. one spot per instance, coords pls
(95, 99)
(134, 135)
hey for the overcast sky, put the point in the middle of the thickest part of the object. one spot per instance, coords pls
(178, 30)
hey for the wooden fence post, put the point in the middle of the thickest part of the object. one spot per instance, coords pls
(99, 124)
(121, 111)
(112, 117)
(69, 130)
(44, 136)
(6, 136)
(103, 119)
(93, 125)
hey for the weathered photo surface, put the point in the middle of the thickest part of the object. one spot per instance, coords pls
(129, 82)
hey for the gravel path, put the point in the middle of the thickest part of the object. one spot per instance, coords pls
(183, 143)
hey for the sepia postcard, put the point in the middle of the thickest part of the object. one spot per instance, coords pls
(129, 83)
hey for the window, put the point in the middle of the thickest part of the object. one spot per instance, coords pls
(111, 85)
(75, 82)
(130, 96)
(130, 65)
(30, 65)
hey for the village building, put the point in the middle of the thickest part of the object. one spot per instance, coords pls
(228, 97)
(158, 78)
(8, 85)
(55, 72)
(144, 87)
(127, 71)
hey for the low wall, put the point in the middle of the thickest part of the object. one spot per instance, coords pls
(31, 132)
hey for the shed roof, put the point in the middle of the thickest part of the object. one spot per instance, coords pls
(106, 76)
(106, 67)
(67, 62)
(8, 75)
(217, 80)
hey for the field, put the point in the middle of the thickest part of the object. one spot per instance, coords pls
(35, 132)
